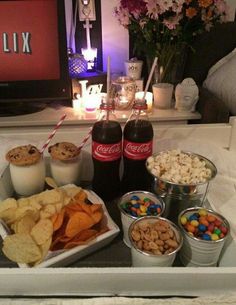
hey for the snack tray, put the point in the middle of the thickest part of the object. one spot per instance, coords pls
(65, 257)
(116, 278)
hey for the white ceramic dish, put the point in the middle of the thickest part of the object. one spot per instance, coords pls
(63, 258)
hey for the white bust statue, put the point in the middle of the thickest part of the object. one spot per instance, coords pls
(186, 95)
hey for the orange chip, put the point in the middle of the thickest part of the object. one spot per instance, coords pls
(64, 238)
(57, 223)
(85, 207)
(54, 218)
(69, 212)
(103, 230)
(61, 231)
(95, 207)
(85, 235)
(74, 206)
(73, 244)
(82, 238)
(78, 222)
(97, 216)
(81, 196)
(59, 238)
(56, 245)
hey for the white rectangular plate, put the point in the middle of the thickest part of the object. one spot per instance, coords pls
(65, 257)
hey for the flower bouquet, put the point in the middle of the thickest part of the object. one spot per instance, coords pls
(164, 28)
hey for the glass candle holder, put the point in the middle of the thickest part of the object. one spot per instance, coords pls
(77, 64)
(123, 92)
(92, 102)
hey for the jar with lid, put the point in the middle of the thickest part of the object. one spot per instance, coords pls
(122, 91)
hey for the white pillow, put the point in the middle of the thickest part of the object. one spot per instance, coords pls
(221, 62)
(221, 81)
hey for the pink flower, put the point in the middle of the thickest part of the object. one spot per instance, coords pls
(182, 18)
(172, 22)
(165, 5)
(122, 15)
(221, 6)
(178, 6)
(134, 6)
(152, 9)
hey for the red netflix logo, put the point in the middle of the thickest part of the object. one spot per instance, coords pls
(16, 43)
(29, 48)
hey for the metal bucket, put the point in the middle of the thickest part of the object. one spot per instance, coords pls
(127, 219)
(197, 252)
(178, 197)
(145, 258)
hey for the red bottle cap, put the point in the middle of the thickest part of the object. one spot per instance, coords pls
(140, 105)
(107, 105)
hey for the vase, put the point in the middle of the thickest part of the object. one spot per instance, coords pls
(162, 95)
(133, 68)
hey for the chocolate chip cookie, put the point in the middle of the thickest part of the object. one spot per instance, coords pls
(23, 155)
(63, 151)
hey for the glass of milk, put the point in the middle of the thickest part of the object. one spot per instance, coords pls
(65, 167)
(27, 170)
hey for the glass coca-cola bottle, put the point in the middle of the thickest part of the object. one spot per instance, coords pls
(107, 153)
(137, 147)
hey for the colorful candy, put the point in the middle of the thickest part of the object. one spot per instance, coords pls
(204, 225)
(138, 207)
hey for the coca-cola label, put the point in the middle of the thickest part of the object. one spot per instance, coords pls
(137, 151)
(107, 152)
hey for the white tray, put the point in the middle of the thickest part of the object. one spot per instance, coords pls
(118, 281)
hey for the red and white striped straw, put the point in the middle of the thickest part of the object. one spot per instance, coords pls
(53, 133)
(85, 139)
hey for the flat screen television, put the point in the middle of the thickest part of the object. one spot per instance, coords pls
(33, 54)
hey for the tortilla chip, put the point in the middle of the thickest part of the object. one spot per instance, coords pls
(97, 216)
(57, 220)
(77, 223)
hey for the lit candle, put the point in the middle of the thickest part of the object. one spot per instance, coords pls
(76, 104)
(92, 102)
(90, 54)
(149, 99)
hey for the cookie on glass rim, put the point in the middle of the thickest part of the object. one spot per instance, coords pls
(63, 151)
(23, 155)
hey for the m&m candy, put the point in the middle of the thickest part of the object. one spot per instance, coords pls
(139, 207)
(204, 225)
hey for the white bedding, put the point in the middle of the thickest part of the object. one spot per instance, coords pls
(221, 80)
